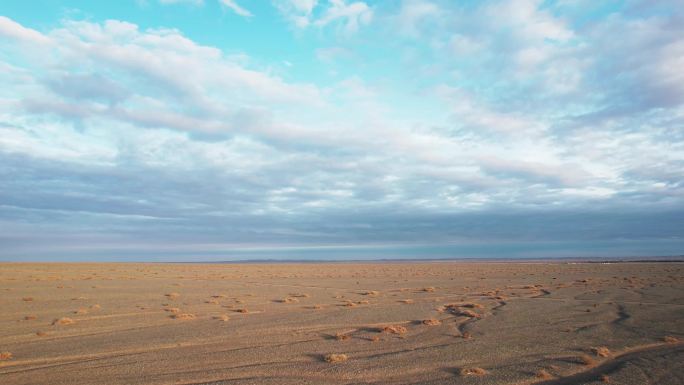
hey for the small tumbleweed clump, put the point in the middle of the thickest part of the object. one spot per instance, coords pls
(473, 372)
(431, 322)
(332, 358)
(601, 351)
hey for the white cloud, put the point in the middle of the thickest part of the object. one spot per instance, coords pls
(235, 7)
(349, 16)
(10, 29)
(193, 2)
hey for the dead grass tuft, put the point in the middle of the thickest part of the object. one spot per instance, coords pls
(183, 316)
(432, 322)
(341, 336)
(333, 358)
(63, 321)
(394, 329)
(473, 372)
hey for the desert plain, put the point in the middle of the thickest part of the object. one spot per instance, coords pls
(342, 323)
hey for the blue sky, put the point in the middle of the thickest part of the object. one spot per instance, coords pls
(222, 129)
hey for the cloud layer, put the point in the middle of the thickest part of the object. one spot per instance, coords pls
(490, 123)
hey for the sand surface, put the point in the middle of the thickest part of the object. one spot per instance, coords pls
(395, 323)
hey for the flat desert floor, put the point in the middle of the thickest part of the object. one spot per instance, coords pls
(365, 323)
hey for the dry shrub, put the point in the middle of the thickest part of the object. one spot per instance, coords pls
(363, 302)
(406, 301)
(605, 378)
(432, 322)
(473, 372)
(601, 351)
(212, 302)
(333, 358)
(374, 339)
(394, 329)
(29, 317)
(81, 311)
(243, 310)
(466, 335)
(349, 304)
(428, 289)
(27, 299)
(96, 307)
(289, 300)
(172, 295)
(41, 334)
(183, 316)
(341, 336)
(587, 360)
(221, 317)
(5, 356)
(543, 374)
(299, 295)
(467, 313)
(371, 293)
(172, 309)
(671, 339)
(63, 321)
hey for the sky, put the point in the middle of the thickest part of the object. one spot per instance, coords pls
(208, 130)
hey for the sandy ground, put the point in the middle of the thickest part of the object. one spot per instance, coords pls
(396, 323)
